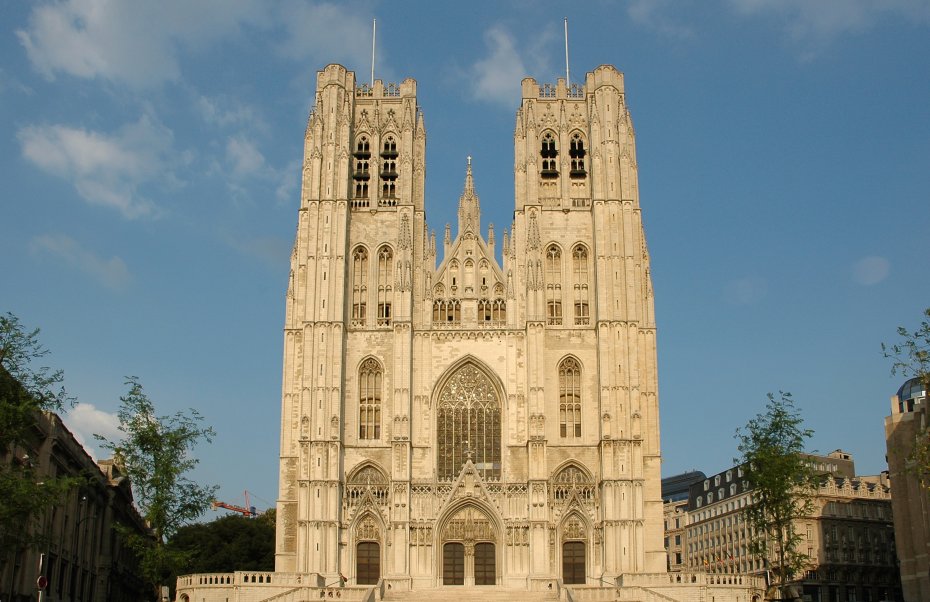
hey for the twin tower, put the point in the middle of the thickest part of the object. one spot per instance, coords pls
(449, 419)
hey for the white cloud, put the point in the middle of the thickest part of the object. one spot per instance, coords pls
(870, 270)
(111, 272)
(745, 291)
(497, 76)
(820, 21)
(330, 32)
(106, 169)
(85, 421)
(244, 158)
(136, 43)
(289, 180)
(224, 112)
(655, 15)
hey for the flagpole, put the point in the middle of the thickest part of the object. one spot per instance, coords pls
(374, 32)
(567, 80)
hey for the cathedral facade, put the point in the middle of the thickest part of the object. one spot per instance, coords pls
(449, 419)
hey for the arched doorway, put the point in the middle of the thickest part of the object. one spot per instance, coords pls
(367, 551)
(574, 551)
(469, 548)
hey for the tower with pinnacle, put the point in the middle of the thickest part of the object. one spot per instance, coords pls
(449, 418)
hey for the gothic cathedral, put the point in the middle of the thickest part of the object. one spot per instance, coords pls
(448, 419)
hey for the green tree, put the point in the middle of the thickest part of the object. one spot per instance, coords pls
(227, 544)
(911, 359)
(156, 454)
(26, 390)
(771, 448)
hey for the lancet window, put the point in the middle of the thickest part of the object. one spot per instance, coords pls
(447, 311)
(370, 377)
(569, 398)
(359, 285)
(361, 174)
(580, 278)
(576, 154)
(468, 424)
(388, 172)
(554, 285)
(385, 278)
(548, 153)
(492, 311)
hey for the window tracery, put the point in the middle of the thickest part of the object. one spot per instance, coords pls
(388, 172)
(576, 154)
(569, 398)
(548, 152)
(385, 278)
(553, 285)
(447, 311)
(361, 174)
(359, 285)
(580, 277)
(468, 424)
(369, 402)
(572, 480)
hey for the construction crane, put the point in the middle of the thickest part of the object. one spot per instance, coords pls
(248, 510)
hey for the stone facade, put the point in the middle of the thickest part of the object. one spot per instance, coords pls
(85, 558)
(455, 420)
(432, 405)
(906, 424)
(848, 537)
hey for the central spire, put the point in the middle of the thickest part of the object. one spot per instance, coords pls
(469, 211)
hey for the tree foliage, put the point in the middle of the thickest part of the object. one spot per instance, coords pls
(911, 356)
(156, 454)
(36, 388)
(25, 391)
(227, 544)
(911, 359)
(771, 448)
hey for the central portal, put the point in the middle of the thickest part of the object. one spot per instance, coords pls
(469, 551)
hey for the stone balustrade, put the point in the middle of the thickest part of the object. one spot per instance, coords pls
(263, 586)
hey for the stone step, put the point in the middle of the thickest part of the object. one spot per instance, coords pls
(468, 594)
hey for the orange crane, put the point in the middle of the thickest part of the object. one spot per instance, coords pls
(248, 510)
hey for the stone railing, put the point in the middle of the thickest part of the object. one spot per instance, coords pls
(261, 586)
(690, 578)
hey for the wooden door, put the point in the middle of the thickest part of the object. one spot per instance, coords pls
(453, 564)
(573, 556)
(368, 563)
(485, 564)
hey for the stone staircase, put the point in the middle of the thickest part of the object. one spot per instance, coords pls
(469, 594)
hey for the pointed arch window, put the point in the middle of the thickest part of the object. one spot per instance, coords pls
(388, 172)
(468, 424)
(360, 173)
(576, 155)
(553, 285)
(548, 153)
(369, 399)
(447, 311)
(580, 277)
(569, 398)
(385, 277)
(359, 285)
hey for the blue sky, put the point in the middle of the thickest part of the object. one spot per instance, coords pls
(149, 157)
